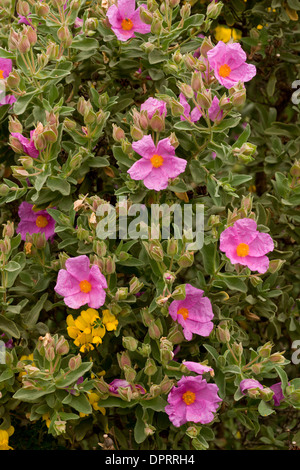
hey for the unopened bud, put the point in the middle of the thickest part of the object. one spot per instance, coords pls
(150, 367)
(130, 343)
(75, 362)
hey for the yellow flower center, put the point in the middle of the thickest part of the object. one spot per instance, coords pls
(189, 397)
(242, 250)
(1, 75)
(85, 286)
(224, 71)
(157, 160)
(184, 312)
(127, 24)
(41, 221)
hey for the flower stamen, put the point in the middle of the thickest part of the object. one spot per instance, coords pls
(242, 250)
(184, 312)
(189, 397)
(157, 160)
(41, 221)
(85, 286)
(224, 71)
(127, 24)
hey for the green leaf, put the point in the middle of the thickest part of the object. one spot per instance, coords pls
(139, 428)
(32, 395)
(9, 327)
(79, 403)
(209, 256)
(265, 409)
(66, 380)
(58, 184)
(31, 317)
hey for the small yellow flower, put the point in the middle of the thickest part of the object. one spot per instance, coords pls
(259, 26)
(222, 33)
(46, 417)
(4, 438)
(109, 320)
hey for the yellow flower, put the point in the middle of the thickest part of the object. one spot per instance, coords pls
(46, 417)
(86, 329)
(109, 320)
(4, 438)
(222, 33)
(259, 26)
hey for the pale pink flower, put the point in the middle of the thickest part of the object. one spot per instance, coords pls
(158, 163)
(229, 64)
(125, 20)
(81, 284)
(244, 244)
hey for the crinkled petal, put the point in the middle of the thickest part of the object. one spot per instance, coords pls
(66, 284)
(78, 267)
(156, 180)
(77, 300)
(145, 147)
(140, 169)
(97, 297)
(165, 148)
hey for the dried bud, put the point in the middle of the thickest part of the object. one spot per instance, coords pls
(118, 133)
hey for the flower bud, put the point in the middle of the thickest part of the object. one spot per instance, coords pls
(144, 350)
(295, 170)
(123, 360)
(49, 353)
(42, 9)
(13, 81)
(266, 394)
(75, 362)
(125, 393)
(223, 334)
(31, 35)
(130, 373)
(4, 189)
(186, 260)
(185, 11)
(204, 99)
(172, 246)
(8, 229)
(65, 36)
(155, 329)
(135, 285)
(156, 26)
(155, 390)
(118, 133)
(145, 15)
(157, 123)
(62, 346)
(265, 350)
(122, 293)
(187, 90)
(179, 292)
(23, 45)
(147, 318)
(166, 384)
(192, 431)
(130, 343)
(206, 46)
(214, 9)
(136, 133)
(277, 358)
(175, 334)
(26, 162)
(275, 265)
(150, 367)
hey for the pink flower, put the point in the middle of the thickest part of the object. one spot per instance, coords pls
(79, 284)
(194, 116)
(197, 367)
(5, 67)
(27, 144)
(243, 244)
(192, 400)
(8, 99)
(125, 20)
(194, 313)
(278, 394)
(32, 221)
(215, 113)
(249, 384)
(151, 105)
(116, 383)
(229, 64)
(25, 19)
(158, 164)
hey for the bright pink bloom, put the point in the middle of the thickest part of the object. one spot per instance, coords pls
(27, 144)
(81, 284)
(248, 384)
(158, 164)
(229, 64)
(192, 400)
(278, 394)
(5, 67)
(194, 116)
(197, 367)
(243, 244)
(125, 20)
(194, 313)
(151, 105)
(34, 221)
(116, 383)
